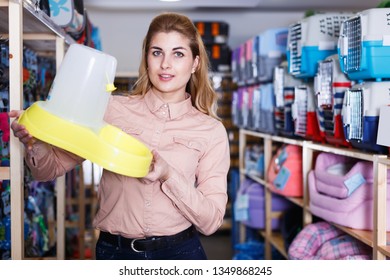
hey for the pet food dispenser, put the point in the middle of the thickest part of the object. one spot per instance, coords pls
(72, 116)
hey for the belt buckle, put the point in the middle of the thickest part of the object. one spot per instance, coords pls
(132, 245)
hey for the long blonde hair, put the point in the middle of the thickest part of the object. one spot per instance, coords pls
(203, 96)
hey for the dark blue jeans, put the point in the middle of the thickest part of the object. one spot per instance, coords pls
(190, 249)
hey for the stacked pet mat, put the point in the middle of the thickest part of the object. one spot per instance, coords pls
(285, 171)
(322, 241)
(249, 207)
(341, 191)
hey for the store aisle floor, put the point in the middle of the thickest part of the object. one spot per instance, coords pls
(218, 246)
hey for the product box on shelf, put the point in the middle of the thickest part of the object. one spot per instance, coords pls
(220, 57)
(213, 32)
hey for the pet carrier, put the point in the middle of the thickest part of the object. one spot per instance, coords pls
(267, 105)
(241, 66)
(311, 40)
(272, 51)
(256, 105)
(360, 114)
(284, 87)
(330, 85)
(304, 113)
(247, 107)
(364, 46)
(249, 69)
(235, 65)
(236, 107)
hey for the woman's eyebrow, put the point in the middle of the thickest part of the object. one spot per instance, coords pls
(174, 49)
(179, 48)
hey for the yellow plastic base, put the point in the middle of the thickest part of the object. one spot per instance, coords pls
(110, 147)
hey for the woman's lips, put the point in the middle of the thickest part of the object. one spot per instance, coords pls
(165, 77)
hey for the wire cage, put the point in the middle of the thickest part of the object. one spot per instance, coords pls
(304, 113)
(313, 39)
(330, 85)
(360, 114)
(284, 90)
(364, 45)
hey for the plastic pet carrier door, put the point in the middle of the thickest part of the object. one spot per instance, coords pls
(364, 45)
(361, 114)
(304, 113)
(284, 90)
(313, 39)
(272, 51)
(330, 85)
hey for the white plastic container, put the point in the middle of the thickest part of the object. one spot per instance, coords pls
(84, 99)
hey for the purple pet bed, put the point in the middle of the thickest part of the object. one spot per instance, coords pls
(341, 191)
(256, 205)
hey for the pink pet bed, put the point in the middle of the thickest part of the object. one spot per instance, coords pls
(341, 191)
(322, 241)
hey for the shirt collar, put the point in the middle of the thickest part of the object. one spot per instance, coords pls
(175, 110)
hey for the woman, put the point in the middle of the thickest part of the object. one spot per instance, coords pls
(172, 111)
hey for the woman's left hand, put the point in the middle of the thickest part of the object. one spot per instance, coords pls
(159, 169)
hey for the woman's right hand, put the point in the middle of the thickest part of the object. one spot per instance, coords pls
(20, 131)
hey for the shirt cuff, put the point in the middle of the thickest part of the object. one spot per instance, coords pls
(173, 187)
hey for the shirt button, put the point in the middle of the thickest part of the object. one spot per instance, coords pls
(158, 131)
(146, 229)
(147, 203)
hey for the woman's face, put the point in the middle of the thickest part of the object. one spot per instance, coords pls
(170, 65)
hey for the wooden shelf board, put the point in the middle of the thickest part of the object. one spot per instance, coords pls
(276, 241)
(385, 250)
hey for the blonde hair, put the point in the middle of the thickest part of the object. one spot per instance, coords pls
(203, 96)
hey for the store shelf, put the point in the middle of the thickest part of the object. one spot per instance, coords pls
(39, 31)
(378, 239)
(276, 240)
(23, 25)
